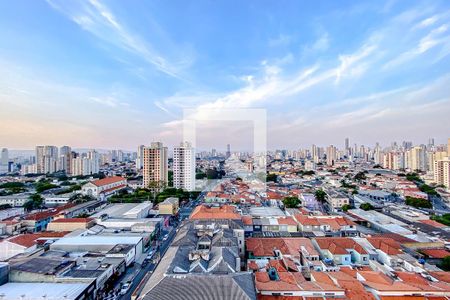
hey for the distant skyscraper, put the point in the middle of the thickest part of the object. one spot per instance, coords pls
(155, 164)
(347, 145)
(4, 160)
(140, 157)
(331, 155)
(47, 159)
(184, 167)
(65, 159)
(228, 154)
(448, 148)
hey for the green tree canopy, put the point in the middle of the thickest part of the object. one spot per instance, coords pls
(291, 202)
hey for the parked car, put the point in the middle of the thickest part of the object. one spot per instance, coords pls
(125, 288)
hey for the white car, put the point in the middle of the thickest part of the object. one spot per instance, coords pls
(125, 288)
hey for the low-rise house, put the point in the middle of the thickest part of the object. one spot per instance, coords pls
(335, 200)
(326, 225)
(342, 251)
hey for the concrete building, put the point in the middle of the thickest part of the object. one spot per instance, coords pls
(155, 164)
(70, 224)
(65, 159)
(442, 172)
(169, 206)
(47, 160)
(86, 164)
(140, 157)
(124, 211)
(331, 155)
(39, 291)
(4, 160)
(184, 167)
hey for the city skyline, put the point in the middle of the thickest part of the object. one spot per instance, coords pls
(102, 76)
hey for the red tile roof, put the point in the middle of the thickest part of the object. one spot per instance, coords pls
(433, 223)
(73, 220)
(222, 212)
(387, 245)
(339, 246)
(435, 253)
(29, 240)
(107, 180)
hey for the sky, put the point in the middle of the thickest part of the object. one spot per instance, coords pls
(117, 74)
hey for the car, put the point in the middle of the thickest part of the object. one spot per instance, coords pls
(125, 288)
(165, 237)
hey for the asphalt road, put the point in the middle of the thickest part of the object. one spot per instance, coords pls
(150, 267)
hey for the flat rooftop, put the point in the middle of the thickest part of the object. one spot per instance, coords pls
(39, 291)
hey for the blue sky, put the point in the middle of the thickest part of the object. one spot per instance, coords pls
(116, 74)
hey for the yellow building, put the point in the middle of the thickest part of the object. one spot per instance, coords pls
(70, 224)
(169, 206)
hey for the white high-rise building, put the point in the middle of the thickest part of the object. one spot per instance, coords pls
(87, 164)
(140, 157)
(155, 164)
(184, 167)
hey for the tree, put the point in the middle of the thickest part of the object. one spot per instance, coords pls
(155, 187)
(271, 177)
(320, 195)
(366, 206)
(35, 201)
(360, 176)
(418, 202)
(445, 265)
(291, 202)
(346, 207)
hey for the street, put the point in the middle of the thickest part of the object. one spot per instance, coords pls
(151, 266)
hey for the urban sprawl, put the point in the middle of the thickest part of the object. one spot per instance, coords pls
(347, 222)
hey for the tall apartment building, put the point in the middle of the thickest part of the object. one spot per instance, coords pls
(4, 161)
(140, 157)
(331, 155)
(86, 164)
(47, 159)
(155, 164)
(417, 158)
(184, 167)
(442, 172)
(448, 147)
(65, 159)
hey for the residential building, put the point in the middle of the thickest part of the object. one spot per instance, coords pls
(155, 164)
(65, 159)
(442, 172)
(184, 167)
(140, 157)
(331, 155)
(47, 160)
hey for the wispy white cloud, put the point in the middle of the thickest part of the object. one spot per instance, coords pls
(433, 39)
(109, 101)
(96, 18)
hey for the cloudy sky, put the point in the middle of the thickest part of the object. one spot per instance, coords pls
(116, 74)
